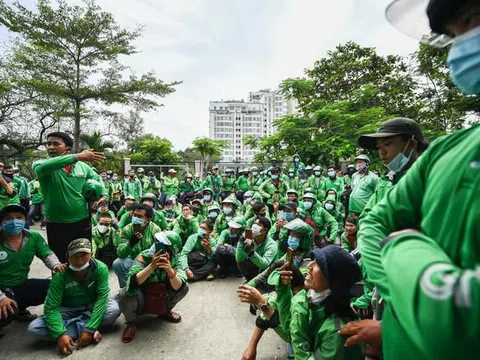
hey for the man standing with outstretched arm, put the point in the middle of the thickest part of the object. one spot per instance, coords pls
(61, 178)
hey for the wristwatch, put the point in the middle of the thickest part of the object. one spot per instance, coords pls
(265, 307)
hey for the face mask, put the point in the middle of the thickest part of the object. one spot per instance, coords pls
(201, 233)
(464, 62)
(77, 269)
(213, 214)
(207, 197)
(15, 175)
(307, 205)
(274, 177)
(13, 227)
(102, 229)
(256, 230)
(317, 173)
(361, 166)
(290, 175)
(232, 236)
(329, 207)
(114, 178)
(137, 221)
(331, 174)
(399, 161)
(293, 243)
(254, 173)
(227, 210)
(288, 216)
(296, 160)
(318, 298)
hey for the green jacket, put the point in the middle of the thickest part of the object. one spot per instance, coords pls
(254, 182)
(158, 276)
(159, 219)
(319, 186)
(64, 202)
(313, 332)
(125, 220)
(340, 218)
(337, 184)
(116, 191)
(363, 187)
(185, 187)
(242, 183)
(185, 228)
(323, 221)
(125, 250)
(170, 185)
(151, 186)
(345, 243)
(213, 182)
(222, 223)
(228, 184)
(35, 191)
(268, 190)
(265, 253)
(294, 183)
(99, 240)
(123, 210)
(347, 180)
(6, 199)
(65, 290)
(204, 207)
(24, 192)
(194, 243)
(108, 189)
(96, 217)
(133, 188)
(431, 272)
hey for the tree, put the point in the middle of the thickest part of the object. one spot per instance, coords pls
(130, 127)
(151, 149)
(75, 51)
(95, 141)
(208, 148)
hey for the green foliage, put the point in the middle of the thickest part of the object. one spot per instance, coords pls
(152, 149)
(209, 148)
(71, 53)
(95, 141)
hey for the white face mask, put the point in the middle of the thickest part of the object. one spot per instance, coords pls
(399, 162)
(256, 230)
(361, 166)
(318, 298)
(77, 269)
(331, 174)
(102, 229)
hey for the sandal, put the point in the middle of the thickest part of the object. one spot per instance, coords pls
(172, 317)
(26, 316)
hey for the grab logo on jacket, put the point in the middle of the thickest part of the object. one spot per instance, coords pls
(3, 255)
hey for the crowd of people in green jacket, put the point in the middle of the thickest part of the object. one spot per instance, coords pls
(339, 266)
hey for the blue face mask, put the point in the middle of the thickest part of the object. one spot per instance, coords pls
(137, 221)
(329, 207)
(274, 177)
(13, 227)
(307, 205)
(464, 62)
(207, 197)
(213, 214)
(232, 236)
(201, 233)
(293, 243)
(288, 216)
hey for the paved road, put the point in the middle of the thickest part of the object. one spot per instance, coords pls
(215, 326)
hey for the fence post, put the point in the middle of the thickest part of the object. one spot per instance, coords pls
(126, 165)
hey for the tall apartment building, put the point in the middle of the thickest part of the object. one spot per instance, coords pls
(233, 120)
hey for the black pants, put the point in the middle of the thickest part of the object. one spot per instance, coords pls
(248, 269)
(60, 235)
(25, 203)
(32, 293)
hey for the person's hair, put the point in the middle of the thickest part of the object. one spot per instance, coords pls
(168, 202)
(257, 207)
(102, 171)
(67, 139)
(187, 206)
(352, 220)
(11, 211)
(275, 170)
(7, 167)
(208, 224)
(105, 215)
(132, 206)
(148, 210)
(265, 222)
(331, 167)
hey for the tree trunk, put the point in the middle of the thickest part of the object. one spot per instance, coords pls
(76, 133)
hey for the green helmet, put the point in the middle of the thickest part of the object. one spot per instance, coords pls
(317, 168)
(296, 155)
(292, 191)
(238, 222)
(149, 196)
(170, 238)
(362, 157)
(92, 190)
(248, 194)
(308, 167)
(310, 196)
(188, 176)
(299, 226)
(351, 166)
(140, 170)
(308, 190)
(231, 200)
(214, 207)
(254, 168)
(129, 197)
(208, 189)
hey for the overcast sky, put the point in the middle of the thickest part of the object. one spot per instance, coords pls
(222, 49)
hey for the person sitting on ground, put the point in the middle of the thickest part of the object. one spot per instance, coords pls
(318, 311)
(129, 200)
(330, 205)
(321, 221)
(257, 209)
(104, 210)
(255, 255)
(105, 239)
(227, 246)
(156, 270)
(197, 256)
(186, 224)
(229, 211)
(77, 303)
(170, 212)
(196, 210)
(207, 200)
(278, 232)
(213, 213)
(135, 237)
(158, 219)
(17, 250)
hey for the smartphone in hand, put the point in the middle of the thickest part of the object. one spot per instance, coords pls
(248, 234)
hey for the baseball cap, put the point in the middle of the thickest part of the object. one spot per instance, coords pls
(392, 127)
(79, 245)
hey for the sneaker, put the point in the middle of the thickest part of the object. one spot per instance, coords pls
(210, 277)
(128, 334)
(222, 274)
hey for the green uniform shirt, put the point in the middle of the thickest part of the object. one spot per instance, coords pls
(270, 191)
(185, 187)
(363, 187)
(108, 188)
(323, 221)
(123, 210)
(66, 290)
(337, 183)
(242, 183)
(228, 184)
(222, 223)
(151, 186)
(194, 243)
(24, 192)
(159, 219)
(99, 240)
(124, 249)
(35, 192)
(429, 279)
(254, 182)
(116, 191)
(213, 182)
(318, 185)
(170, 186)
(125, 220)
(64, 202)
(347, 180)
(265, 253)
(6, 199)
(15, 265)
(133, 188)
(185, 228)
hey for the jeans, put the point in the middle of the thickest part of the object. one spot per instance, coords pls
(75, 320)
(36, 209)
(32, 293)
(225, 260)
(132, 306)
(60, 235)
(121, 267)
